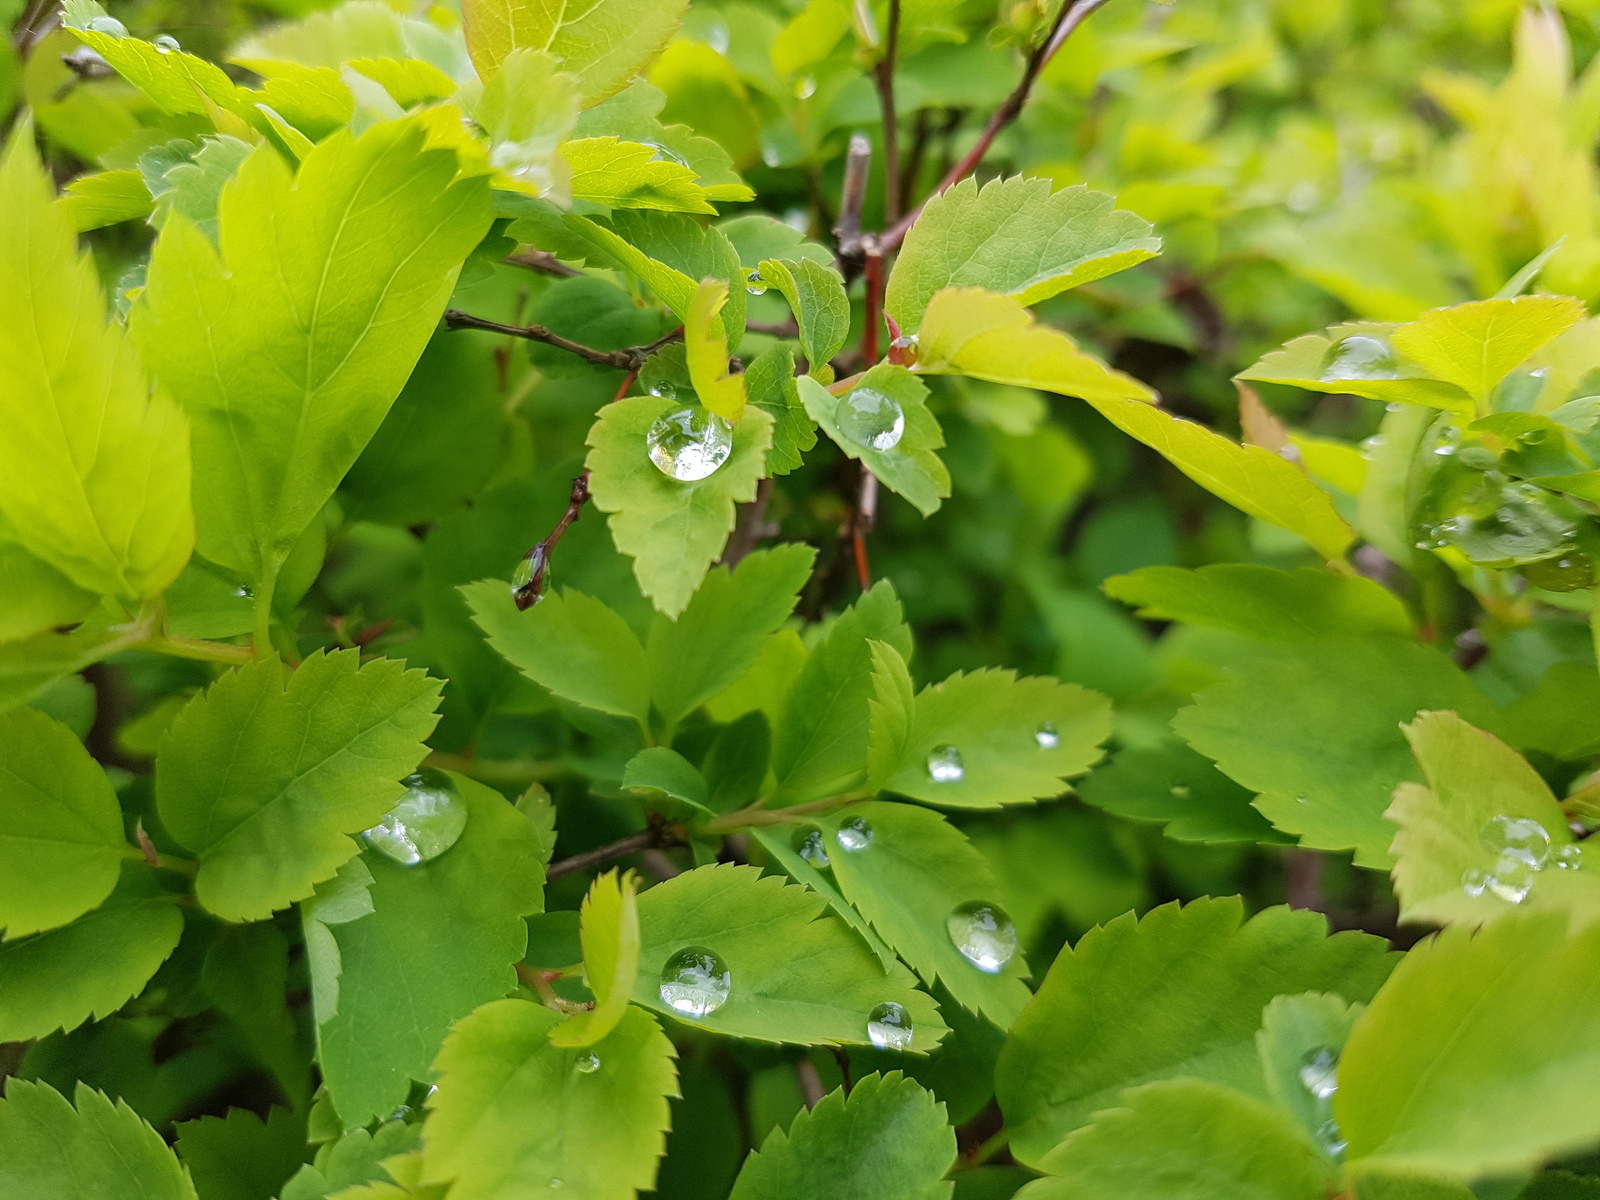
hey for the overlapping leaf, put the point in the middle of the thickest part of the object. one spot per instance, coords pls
(910, 467)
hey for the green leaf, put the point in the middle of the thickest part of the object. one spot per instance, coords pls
(241, 1157)
(1017, 739)
(1178, 993)
(1357, 358)
(817, 298)
(34, 596)
(1561, 715)
(1253, 480)
(1184, 790)
(178, 82)
(1185, 1138)
(657, 769)
(794, 977)
(1265, 602)
(1016, 237)
(92, 967)
(439, 941)
(101, 1149)
(780, 844)
(354, 1158)
(1315, 728)
(705, 352)
(94, 469)
(1480, 1053)
(673, 530)
(410, 81)
(610, 933)
(631, 116)
(727, 622)
(605, 44)
(1443, 852)
(888, 1139)
(104, 198)
(34, 664)
(527, 108)
(759, 237)
(1475, 346)
(514, 1113)
(915, 871)
(910, 467)
(326, 288)
(968, 331)
(770, 383)
(246, 973)
(309, 762)
(1295, 1031)
(629, 175)
(570, 643)
(820, 748)
(61, 841)
(193, 188)
(891, 711)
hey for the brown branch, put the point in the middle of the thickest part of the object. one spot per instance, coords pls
(542, 261)
(659, 836)
(630, 359)
(752, 526)
(1072, 16)
(531, 592)
(847, 231)
(777, 329)
(863, 515)
(884, 75)
(811, 1089)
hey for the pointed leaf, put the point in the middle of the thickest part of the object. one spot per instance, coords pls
(770, 383)
(99, 1149)
(1171, 783)
(610, 934)
(241, 1157)
(706, 352)
(1475, 346)
(528, 108)
(1295, 1031)
(817, 298)
(628, 175)
(891, 710)
(910, 467)
(1357, 358)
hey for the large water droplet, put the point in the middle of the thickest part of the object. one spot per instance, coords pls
(523, 575)
(664, 388)
(889, 1026)
(107, 25)
(1046, 736)
(871, 418)
(809, 845)
(166, 43)
(689, 444)
(984, 934)
(854, 834)
(754, 284)
(1520, 839)
(587, 1063)
(1319, 1072)
(1361, 357)
(427, 821)
(695, 982)
(945, 765)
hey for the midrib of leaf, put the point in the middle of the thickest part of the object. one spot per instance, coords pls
(54, 801)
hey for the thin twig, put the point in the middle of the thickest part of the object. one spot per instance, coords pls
(847, 231)
(805, 1073)
(752, 526)
(542, 261)
(659, 836)
(24, 33)
(884, 74)
(538, 559)
(630, 359)
(842, 1057)
(1010, 108)
(778, 329)
(862, 518)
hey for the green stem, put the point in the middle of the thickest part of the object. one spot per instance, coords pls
(262, 638)
(754, 814)
(195, 648)
(1594, 624)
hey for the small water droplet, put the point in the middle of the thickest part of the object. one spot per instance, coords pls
(1319, 1072)
(945, 765)
(1046, 736)
(523, 575)
(1179, 791)
(1331, 1140)
(871, 418)
(243, 592)
(984, 934)
(400, 1113)
(1360, 357)
(889, 1026)
(695, 982)
(805, 87)
(754, 284)
(587, 1063)
(854, 834)
(109, 26)
(809, 845)
(1569, 857)
(556, 1184)
(166, 43)
(904, 349)
(1474, 882)
(664, 388)
(1302, 799)
(689, 444)
(427, 821)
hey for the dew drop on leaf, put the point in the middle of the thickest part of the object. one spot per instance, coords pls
(1179, 791)
(809, 845)
(1331, 1140)
(1521, 839)
(945, 765)
(984, 934)
(587, 1063)
(695, 982)
(1046, 735)
(871, 418)
(523, 575)
(427, 821)
(854, 834)
(166, 43)
(1361, 357)
(665, 388)
(889, 1026)
(109, 26)
(1319, 1072)
(689, 444)
(1569, 858)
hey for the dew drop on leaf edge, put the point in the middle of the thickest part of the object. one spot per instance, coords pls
(1319, 1072)
(889, 1026)
(689, 444)
(984, 935)
(870, 418)
(809, 844)
(854, 834)
(695, 982)
(427, 821)
(945, 765)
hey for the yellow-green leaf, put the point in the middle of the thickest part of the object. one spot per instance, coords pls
(706, 349)
(610, 933)
(629, 175)
(1475, 346)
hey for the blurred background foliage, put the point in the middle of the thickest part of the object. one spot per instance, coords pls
(1306, 161)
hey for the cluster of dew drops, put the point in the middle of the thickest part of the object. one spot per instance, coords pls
(112, 27)
(1522, 848)
(1319, 1075)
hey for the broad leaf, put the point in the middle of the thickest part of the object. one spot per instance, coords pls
(34, 596)
(1315, 728)
(92, 967)
(308, 762)
(909, 879)
(1357, 358)
(325, 289)
(100, 1149)
(1184, 790)
(94, 467)
(891, 711)
(705, 350)
(1297, 1032)
(241, 1157)
(794, 976)
(887, 1139)
(61, 840)
(1479, 1055)
(672, 529)
(1265, 602)
(1474, 346)
(909, 466)
(781, 843)
(570, 643)
(515, 1113)
(1185, 1138)
(770, 383)
(437, 943)
(179, 83)
(629, 175)
(1485, 837)
(104, 198)
(1014, 740)
(528, 108)
(817, 298)
(631, 116)
(610, 935)
(1013, 236)
(658, 771)
(1178, 993)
